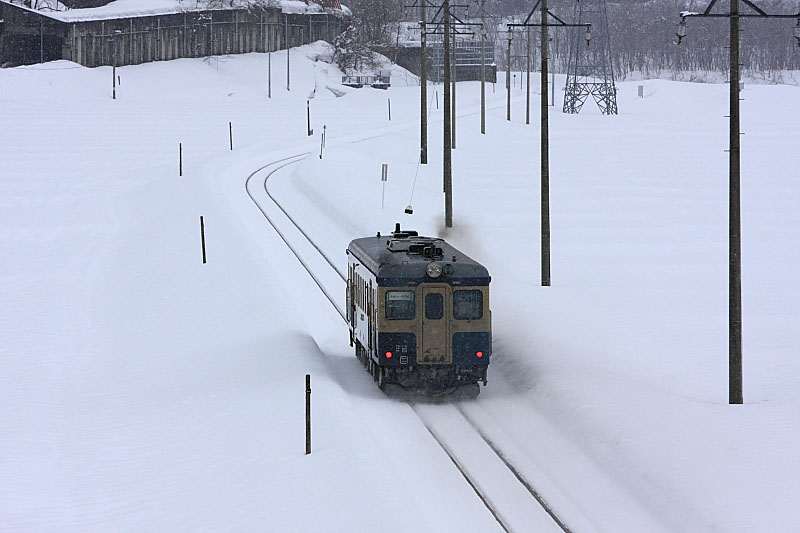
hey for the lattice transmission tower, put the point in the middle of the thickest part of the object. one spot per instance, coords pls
(590, 70)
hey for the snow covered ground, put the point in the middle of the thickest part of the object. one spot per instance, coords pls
(141, 389)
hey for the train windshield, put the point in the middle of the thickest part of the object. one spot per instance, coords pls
(400, 305)
(434, 306)
(467, 305)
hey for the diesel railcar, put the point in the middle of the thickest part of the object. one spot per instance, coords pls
(418, 313)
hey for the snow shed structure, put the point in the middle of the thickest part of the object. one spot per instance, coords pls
(467, 55)
(121, 33)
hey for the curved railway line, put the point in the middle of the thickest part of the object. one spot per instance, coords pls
(495, 466)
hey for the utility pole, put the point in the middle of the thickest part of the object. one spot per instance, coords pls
(443, 18)
(455, 78)
(288, 72)
(545, 152)
(448, 163)
(423, 134)
(735, 395)
(483, 67)
(545, 127)
(508, 75)
(528, 83)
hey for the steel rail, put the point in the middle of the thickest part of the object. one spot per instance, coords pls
(461, 469)
(524, 482)
(286, 162)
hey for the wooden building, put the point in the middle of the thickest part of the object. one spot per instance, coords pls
(94, 37)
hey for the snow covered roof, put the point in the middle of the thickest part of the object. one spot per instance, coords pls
(142, 8)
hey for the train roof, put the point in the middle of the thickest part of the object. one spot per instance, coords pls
(404, 256)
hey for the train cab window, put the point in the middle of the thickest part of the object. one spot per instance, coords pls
(434, 306)
(467, 305)
(400, 305)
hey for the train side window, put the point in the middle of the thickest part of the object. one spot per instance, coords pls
(467, 305)
(434, 306)
(400, 305)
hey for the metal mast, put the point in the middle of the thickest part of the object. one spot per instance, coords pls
(590, 70)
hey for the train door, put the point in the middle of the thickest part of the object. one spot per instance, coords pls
(370, 317)
(350, 300)
(435, 310)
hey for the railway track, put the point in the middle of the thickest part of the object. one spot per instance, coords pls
(513, 501)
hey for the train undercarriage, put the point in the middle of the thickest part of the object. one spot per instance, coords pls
(424, 382)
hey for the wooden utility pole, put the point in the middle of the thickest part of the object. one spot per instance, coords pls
(735, 394)
(483, 67)
(508, 76)
(735, 230)
(528, 82)
(455, 78)
(448, 163)
(545, 153)
(541, 5)
(423, 105)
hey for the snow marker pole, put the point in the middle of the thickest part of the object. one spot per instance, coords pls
(180, 159)
(203, 238)
(308, 414)
(230, 133)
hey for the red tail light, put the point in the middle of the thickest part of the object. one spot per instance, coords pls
(479, 354)
(388, 355)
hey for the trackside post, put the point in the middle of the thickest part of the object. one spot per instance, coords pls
(308, 414)
(203, 238)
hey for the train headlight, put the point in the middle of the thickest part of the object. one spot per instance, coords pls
(434, 270)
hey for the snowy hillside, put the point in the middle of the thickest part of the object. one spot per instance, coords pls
(143, 390)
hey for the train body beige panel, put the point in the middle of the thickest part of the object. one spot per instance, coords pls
(448, 328)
